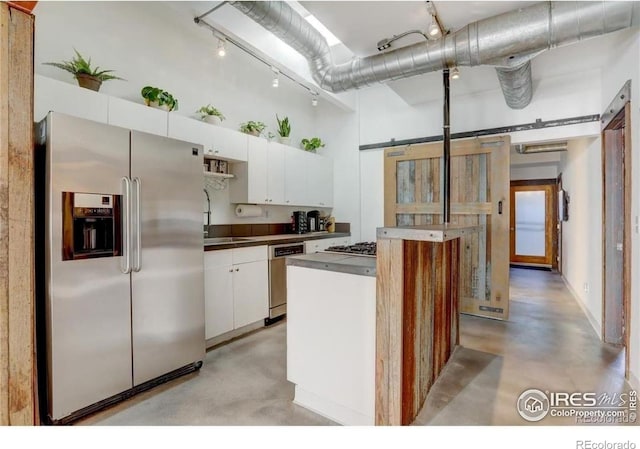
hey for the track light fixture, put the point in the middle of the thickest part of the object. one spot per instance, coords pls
(455, 73)
(434, 29)
(314, 98)
(222, 47)
(276, 77)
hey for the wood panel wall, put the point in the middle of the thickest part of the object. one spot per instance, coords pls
(18, 396)
(416, 323)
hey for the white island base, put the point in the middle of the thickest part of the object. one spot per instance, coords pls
(331, 338)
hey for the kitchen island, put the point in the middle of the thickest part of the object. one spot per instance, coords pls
(367, 337)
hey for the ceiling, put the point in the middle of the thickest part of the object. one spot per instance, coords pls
(361, 24)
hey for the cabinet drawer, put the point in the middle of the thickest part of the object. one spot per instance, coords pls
(218, 258)
(250, 254)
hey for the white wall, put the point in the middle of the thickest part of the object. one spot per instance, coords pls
(534, 166)
(339, 129)
(581, 168)
(151, 43)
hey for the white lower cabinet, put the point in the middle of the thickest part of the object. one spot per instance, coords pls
(250, 293)
(236, 288)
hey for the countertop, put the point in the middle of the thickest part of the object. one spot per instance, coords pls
(278, 239)
(338, 262)
(427, 233)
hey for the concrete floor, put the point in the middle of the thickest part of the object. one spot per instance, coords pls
(546, 344)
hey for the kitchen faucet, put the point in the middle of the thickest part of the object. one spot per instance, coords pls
(208, 212)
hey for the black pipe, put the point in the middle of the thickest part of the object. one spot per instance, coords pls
(446, 154)
(539, 124)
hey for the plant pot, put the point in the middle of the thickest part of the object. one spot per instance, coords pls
(154, 104)
(254, 133)
(88, 81)
(284, 140)
(213, 119)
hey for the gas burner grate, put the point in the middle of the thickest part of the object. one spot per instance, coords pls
(361, 248)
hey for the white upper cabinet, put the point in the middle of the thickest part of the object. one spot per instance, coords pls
(320, 181)
(218, 142)
(275, 173)
(139, 117)
(295, 177)
(67, 98)
(261, 179)
(228, 144)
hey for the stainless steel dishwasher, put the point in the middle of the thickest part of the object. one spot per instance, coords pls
(278, 278)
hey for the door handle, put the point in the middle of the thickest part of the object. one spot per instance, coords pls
(500, 207)
(138, 258)
(125, 266)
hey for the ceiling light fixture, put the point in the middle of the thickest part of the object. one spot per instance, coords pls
(222, 47)
(434, 29)
(386, 42)
(314, 98)
(276, 77)
(455, 73)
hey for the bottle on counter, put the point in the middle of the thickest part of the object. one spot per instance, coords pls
(330, 224)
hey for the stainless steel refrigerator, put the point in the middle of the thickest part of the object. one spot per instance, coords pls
(123, 274)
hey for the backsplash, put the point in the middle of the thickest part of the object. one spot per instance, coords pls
(258, 229)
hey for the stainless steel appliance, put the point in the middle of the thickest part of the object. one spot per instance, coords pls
(278, 277)
(123, 282)
(313, 221)
(299, 222)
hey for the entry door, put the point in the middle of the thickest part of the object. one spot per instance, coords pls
(532, 219)
(479, 197)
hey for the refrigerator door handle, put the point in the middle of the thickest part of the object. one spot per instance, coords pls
(126, 226)
(138, 257)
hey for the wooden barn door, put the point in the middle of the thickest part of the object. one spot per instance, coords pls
(479, 196)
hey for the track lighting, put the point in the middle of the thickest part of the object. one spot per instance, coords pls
(434, 28)
(221, 48)
(455, 73)
(314, 99)
(276, 77)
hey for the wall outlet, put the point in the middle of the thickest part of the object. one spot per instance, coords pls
(586, 287)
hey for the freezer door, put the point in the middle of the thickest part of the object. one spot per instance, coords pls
(168, 279)
(87, 301)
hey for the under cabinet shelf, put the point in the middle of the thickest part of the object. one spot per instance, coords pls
(209, 174)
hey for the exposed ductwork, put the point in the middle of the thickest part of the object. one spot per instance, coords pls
(508, 41)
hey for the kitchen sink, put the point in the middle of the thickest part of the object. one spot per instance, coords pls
(219, 240)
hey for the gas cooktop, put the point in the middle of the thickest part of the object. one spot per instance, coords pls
(358, 249)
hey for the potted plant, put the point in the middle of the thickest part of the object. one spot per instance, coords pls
(158, 98)
(87, 77)
(312, 144)
(253, 128)
(284, 129)
(211, 115)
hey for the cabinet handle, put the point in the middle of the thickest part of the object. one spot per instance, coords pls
(231, 270)
(216, 151)
(287, 201)
(237, 269)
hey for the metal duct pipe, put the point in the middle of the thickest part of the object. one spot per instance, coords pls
(507, 41)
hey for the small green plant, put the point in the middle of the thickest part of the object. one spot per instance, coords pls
(284, 128)
(204, 111)
(252, 127)
(155, 95)
(80, 68)
(312, 144)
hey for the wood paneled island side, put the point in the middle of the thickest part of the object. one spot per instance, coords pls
(416, 315)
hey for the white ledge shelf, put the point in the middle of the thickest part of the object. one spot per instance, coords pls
(209, 174)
